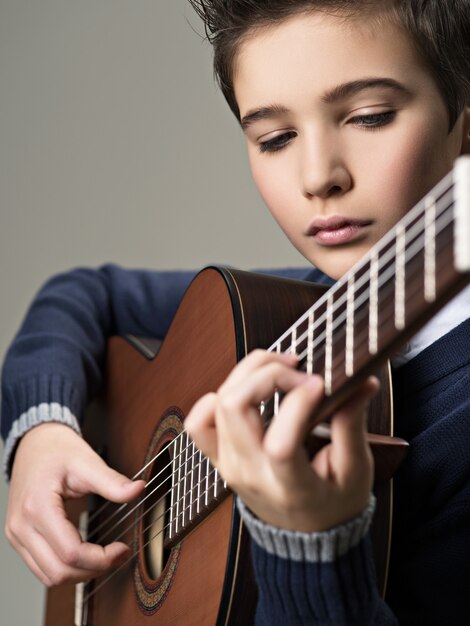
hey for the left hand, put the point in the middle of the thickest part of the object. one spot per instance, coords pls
(269, 468)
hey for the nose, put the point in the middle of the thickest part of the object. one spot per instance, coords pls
(324, 172)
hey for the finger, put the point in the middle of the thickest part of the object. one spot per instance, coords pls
(284, 441)
(261, 384)
(287, 431)
(253, 361)
(58, 532)
(92, 475)
(13, 536)
(200, 425)
(76, 565)
(349, 431)
(72, 563)
(33, 566)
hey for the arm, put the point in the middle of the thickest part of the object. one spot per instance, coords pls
(309, 519)
(55, 364)
(52, 369)
(325, 578)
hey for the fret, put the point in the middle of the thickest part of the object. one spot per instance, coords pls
(386, 292)
(400, 264)
(184, 495)
(173, 487)
(181, 478)
(196, 483)
(189, 497)
(199, 482)
(294, 340)
(349, 356)
(374, 302)
(216, 482)
(208, 472)
(192, 448)
(310, 342)
(329, 345)
(177, 473)
(430, 249)
(461, 177)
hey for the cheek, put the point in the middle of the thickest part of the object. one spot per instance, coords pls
(409, 167)
(273, 185)
(420, 160)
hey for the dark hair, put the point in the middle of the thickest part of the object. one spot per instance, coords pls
(440, 29)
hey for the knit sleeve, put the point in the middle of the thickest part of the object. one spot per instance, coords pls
(320, 579)
(54, 365)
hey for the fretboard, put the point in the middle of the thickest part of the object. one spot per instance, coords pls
(393, 291)
(196, 488)
(359, 323)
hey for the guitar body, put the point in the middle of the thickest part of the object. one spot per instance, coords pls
(206, 577)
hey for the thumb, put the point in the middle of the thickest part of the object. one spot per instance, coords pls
(95, 476)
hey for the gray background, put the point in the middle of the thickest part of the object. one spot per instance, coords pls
(115, 145)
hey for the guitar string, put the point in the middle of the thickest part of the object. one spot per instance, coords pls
(363, 280)
(185, 494)
(100, 510)
(193, 469)
(183, 499)
(361, 315)
(360, 312)
(416, 248)
(108, 502)
(115, 571)
(154, 490)
(411, 252)
(416, 214)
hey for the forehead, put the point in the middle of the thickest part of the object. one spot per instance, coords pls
(311, 53)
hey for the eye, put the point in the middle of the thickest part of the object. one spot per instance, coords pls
(276, 143)
(373, 120)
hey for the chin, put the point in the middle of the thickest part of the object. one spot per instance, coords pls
(338, 265)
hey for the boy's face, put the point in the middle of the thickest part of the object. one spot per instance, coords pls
(346, 131)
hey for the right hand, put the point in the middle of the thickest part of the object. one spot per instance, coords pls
(53, 463)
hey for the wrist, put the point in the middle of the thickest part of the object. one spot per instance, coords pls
(37, 416)
(324, 546)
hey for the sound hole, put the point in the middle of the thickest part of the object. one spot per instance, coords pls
(156, 516)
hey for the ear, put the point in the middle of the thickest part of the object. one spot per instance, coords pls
(466, 131)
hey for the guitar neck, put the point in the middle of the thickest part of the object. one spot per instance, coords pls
(391, 293)
(359, 323)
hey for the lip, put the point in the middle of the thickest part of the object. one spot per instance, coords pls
(337, 230)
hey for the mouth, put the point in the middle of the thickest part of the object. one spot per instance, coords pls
(337, 230)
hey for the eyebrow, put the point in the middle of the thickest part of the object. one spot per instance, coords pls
(350, 89)
(263, 113)
(333, 95)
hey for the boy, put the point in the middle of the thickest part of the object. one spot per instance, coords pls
(351, 111)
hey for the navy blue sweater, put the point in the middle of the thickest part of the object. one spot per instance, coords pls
(55, 366)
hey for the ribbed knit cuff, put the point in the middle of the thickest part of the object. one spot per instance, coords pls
(320, 579)
(318, 547)
(34, 416)
(33, 400)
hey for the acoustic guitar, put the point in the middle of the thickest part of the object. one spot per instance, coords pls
(190, 563)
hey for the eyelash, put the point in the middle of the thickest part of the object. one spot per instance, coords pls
(373, 121)
(278, 143)
(378, 120)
